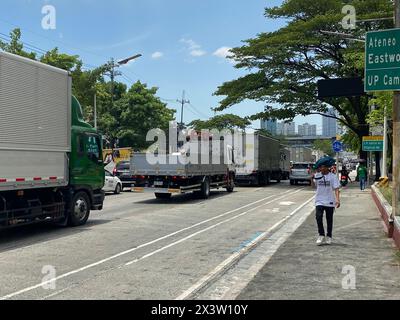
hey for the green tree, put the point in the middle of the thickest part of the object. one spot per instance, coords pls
(286, 65)
(325, 146)
(15, 46)
(221, 122)
(137, 112)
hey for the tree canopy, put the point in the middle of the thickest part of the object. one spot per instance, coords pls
(221, 122)
(284, 66)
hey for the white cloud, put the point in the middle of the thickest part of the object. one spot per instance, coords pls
(224, 53)
(193, 47)
(198, 53)
(157, 55)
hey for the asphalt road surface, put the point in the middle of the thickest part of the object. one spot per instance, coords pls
(139, 247)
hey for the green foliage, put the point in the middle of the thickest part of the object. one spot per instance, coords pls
(221, 122)
(286, 65)
(137, 112)
(325, 146)
(16, 46)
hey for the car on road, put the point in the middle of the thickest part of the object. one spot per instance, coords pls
(112, 183)
(301, 172)
(122, 171)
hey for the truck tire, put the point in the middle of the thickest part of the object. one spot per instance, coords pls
(267, 180)
(205, 189)
(292, 182)
(163, 195)
(80, 210)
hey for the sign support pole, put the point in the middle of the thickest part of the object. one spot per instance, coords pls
(396, 135)
(385, 147)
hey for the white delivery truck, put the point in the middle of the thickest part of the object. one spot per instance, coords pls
(259, 161)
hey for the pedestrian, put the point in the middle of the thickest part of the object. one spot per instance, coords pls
(362, 174)
(327, 198)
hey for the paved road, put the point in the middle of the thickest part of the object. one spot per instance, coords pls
(143, 248)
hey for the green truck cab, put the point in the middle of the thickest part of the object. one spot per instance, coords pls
(86, 168)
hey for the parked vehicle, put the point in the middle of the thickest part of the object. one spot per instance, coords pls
(301, 172)
(112, 183)
(260, 162)
(178, 176)
(123, 172)
(51, 160)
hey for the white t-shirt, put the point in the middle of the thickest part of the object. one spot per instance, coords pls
(326, 186)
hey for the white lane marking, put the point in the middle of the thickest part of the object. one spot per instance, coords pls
(204, 230)
(287, 203)
(65, 275)
(236, 256)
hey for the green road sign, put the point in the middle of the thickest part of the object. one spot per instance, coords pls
(382, 60)
(371, 144)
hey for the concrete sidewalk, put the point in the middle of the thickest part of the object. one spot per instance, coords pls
(302, 270)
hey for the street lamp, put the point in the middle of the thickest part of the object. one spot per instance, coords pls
(110, 68)
(112, 65)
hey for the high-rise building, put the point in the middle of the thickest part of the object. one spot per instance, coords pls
(286, 129)
(270, 126)
(307, 130)
(330, 125)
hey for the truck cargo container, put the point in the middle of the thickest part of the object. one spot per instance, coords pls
(180, 175)
(260, 160)
(51, 166)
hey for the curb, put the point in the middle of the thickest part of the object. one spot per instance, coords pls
(392, 229)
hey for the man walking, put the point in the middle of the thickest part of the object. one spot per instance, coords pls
(362, 174)
(327, 198)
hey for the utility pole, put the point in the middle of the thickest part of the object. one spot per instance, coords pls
(396, 135)
(183, 102)
(111, 66)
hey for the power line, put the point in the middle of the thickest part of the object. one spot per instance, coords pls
(38, 50)
(53, 40)
(200, 113)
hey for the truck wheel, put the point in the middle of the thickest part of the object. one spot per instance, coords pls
(292, 182)
(163, 195)
(80, 210)
(205, 189)
(118, 189)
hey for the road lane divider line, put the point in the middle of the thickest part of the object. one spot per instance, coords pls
(95, 264)
(203, 230)
(234, 258)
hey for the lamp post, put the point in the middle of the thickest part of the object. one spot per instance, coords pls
(111, 66)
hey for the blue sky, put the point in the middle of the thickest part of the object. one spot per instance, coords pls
(182, 41)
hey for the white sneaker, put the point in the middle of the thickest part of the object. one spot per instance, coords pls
(320, 241)
(328, 241)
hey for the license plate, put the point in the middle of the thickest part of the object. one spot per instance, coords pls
(158, 183)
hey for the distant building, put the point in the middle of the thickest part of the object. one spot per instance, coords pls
(307, 130)
(270, 126)
(286, 129)
(330, 125)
